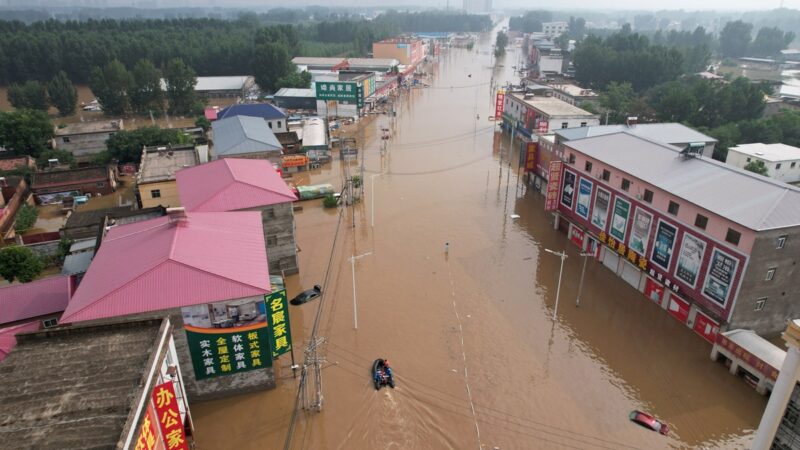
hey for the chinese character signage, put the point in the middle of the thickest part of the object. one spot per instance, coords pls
(576, 235)
(169, 417)
(147, 432)
(294, 161)
(498, 107)
(227, 337)
(720, 276)
(690, 259)
(619, 220)
(665, 240)
(568, 191)
(584, 198)
(278, 318)
(530, 157)
(640, 233)
(600, 212)
(747, 357)
(337, 90)
(553, 184)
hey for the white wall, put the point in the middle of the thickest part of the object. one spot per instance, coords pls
(572, 122)
(785, 173)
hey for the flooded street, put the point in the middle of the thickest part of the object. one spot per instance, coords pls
(479, 362)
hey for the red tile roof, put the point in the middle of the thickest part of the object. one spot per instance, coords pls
(34, 299)
(231, 184)
(8, 336)
(165, 263)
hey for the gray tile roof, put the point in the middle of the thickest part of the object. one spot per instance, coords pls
(240, 135)
(753, 201)
(667, 133)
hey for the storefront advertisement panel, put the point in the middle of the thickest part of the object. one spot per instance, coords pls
(705, 327)
(568, 190)
(678, 308)
(654, 290)
(720, 277)
(619, 219)
(640, 231)
(584, 198)
(602, 201)
(576, 235)
(690, 259)
(664, 244)
(553, 186)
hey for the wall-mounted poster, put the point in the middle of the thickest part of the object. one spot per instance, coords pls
(664, 242)
(600, 211)
(619, 220)
(568, 191)
(720, 276)
(690, 259)
(640, 233)
(584, 198)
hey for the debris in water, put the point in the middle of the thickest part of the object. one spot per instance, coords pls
(454, 370)
(515, 216)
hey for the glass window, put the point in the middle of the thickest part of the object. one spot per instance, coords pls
(760, 303)
(49, 323)
(626, 184)
(572, 158)
(777, 166)
(733, 236)
(792, 165)
(583, 124)
(588, 166)
(155, 193)
(65, 139)
(770, 274)
(781, 242)
(606, 175)
(701, 221)
(673, 208)
(564, 124)
(648, 196)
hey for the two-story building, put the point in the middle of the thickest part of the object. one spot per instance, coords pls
(407, 51)
(155, 181)
(84, 139)
(528, 114)
(274, 117)
(53, 185)
(714, 245)
(782, 161)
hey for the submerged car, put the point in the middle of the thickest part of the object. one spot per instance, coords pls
(306, 296)
(649, 422)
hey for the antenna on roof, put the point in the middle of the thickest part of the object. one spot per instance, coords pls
(693, 150)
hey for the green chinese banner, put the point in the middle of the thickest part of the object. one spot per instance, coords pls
(337, 90)
(218, 351)
(278, 318)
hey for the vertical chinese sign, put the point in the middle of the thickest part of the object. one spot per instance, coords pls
(227, 337)
(147, 432)
(498, 105)
(278, 319)
(169, 417)
(530, 157)
(553, 185)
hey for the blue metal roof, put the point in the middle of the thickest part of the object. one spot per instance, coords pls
(265, 111)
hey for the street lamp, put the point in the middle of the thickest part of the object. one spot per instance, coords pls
(585, 256)
(353, 269)
(563, 256)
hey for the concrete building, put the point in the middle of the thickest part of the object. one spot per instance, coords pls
(155, 181)
(575, 95)
(536, 114)
(274, 117)
(84, 139)
(212, 262)
(310, 63)
(89, 224)
(674, 134)
(712, 244)
(89, 180)
(782, 161)
(380, 65)
(554, 29)
(233, 184)
(245, 137)
(99, 386)
(239, 86)
(296, 99)
(407, 51)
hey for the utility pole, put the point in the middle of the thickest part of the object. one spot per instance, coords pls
(585, 256)
(563, 256)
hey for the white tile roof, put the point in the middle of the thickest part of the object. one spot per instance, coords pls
(769, 152)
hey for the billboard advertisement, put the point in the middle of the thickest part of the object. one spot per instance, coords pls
(602, 201)
(690, 259)
(147, 432)
(337, 90)
(568, 191)
(169, 416)
(664, 242)
(584, 198)
(619, 219)
(278, 318)
(553, 184)
(719, 278)
(640, 233)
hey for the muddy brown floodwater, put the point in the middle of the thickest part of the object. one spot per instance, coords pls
(479, 363)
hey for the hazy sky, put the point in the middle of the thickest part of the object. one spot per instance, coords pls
(647, 4)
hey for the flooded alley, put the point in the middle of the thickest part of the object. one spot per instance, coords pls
(479, 362)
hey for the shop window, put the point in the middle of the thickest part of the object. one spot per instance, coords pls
(760, 303)
(572, 158)
(626, 184)
(673, 208)
(701, 221)
(588, 166)
(733, 236)
(770, 274)
(781, 242)
(648, 196)
(155, 193)
(606, 175)
(564, 125)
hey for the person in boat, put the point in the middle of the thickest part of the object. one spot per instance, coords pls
(387, 370)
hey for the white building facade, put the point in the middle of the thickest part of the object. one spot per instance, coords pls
(782, 161)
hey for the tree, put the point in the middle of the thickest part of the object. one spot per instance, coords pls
(63, 157)
(734, 39)
(31, 95)
(26, 217)
(616, 99)
(181, 81)
(20, 263)
(146, 94)
(25, 132)
(271, 62)
(295, 79)
(770, 41)
(673, 102)
(500, 44)
(63, 94)
(203, 123)
(111, 86)
(126, 146)
(757, 166)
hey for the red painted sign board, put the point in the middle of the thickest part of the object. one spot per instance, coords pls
(576, 235)
(553, 186)
(679, 309)
(498, 107)
(168, 415)
(706, 327)
(148, 434)
(752, 360)
(530, 157)
(654, 290)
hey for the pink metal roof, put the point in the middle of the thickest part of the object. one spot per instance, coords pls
(231, 184)
(211, 113)
(34, 299)
(8, 336)
(162, 263)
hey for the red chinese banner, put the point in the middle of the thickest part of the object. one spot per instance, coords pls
(752, 360)
(679, 309)
(530, 157)
(576, 235)
(706, 327)
(147, 432)
(654, 290)
(553, 185)
(498, 106)
(169, 417)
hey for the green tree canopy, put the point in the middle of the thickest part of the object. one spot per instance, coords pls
(126, 146)
(770, 41)
(146, 94)
(734, 40)
(757, 166)
(271, 62)
(111, 86)
(31, 95)
(295, 79)
(19, 263)
(63, 95)
(26, 218)
(25, 132)
(181, 81)
(63, 157)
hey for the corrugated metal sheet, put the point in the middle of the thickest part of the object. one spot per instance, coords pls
(243, 134)
(666, 133)
(37, 298)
